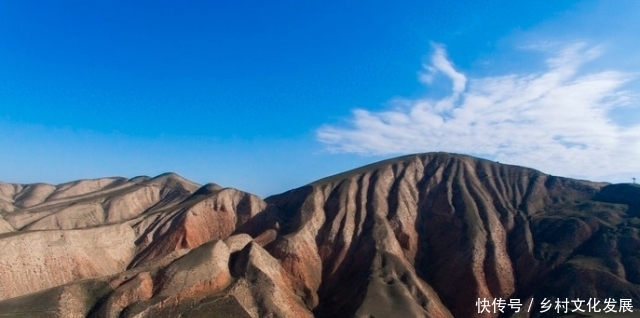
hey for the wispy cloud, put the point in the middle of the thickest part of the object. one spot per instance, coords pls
(556, 120)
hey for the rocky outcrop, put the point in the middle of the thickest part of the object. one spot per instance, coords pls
(230, 278)
(207, 216)
(417, 236)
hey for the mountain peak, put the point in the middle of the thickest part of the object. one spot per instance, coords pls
(419, 235)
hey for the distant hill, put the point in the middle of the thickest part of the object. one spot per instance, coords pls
(424, 235)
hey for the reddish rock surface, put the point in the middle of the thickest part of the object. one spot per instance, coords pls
(417, 236)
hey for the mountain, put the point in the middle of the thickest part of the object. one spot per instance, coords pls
(424, 235)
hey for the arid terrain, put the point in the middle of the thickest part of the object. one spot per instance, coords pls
(417, 236)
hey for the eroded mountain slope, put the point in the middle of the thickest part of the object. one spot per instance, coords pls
(421, 236)
(455, 229)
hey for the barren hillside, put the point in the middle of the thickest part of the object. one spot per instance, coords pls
(417, 236)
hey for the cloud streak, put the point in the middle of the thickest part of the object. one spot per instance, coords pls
(556, 120)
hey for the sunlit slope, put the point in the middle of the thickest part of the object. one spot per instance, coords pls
(417, 236)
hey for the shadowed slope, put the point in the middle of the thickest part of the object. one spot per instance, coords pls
(417, 236)
(464, 227)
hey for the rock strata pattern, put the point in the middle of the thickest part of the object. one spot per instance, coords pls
(417, 236)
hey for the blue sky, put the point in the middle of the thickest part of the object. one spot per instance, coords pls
(267, 97)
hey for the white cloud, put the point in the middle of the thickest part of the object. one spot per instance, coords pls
(441, 63)
(556, 120)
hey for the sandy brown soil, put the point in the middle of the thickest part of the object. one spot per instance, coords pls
(416, 236)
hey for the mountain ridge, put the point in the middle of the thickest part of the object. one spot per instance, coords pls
(418, 235)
